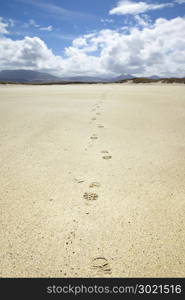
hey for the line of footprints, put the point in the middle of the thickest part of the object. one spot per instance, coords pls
(91, 196)
(99, 264)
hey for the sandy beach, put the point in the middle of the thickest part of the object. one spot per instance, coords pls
(92, 181)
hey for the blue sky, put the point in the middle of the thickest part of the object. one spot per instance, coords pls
(58, 23)
(76, 17)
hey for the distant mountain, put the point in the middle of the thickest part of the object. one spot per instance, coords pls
(31, 77)
(35, 76)
(123, 77)
(26, 76)
(83, 79)
(97, 79)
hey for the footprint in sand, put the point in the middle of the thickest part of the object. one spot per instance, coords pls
(94, 185)
(90, 196)
(93, 119)
(70, 238)
(101, 265)
(107, 157)
(100, 126)
(104, 151)
(98, 114)
(94, 137)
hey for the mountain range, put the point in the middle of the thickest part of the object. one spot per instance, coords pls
(26, 76)
(35, 76)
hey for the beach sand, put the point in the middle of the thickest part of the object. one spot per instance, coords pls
(92, 181)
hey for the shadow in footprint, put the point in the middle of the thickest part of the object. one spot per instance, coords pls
(94, 137)
(107, 157)
(90, 196)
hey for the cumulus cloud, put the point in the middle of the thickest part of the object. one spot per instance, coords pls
(125, 7)
(149, 49)
(31, 53)
(153, 50)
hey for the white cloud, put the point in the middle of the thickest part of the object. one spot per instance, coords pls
(80, 42)
(125, 7)
(143, 20)
(49, 28)
(150, 49)
(156, 50)
(3, 26)
(31, 53)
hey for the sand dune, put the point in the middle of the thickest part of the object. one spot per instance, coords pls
(92, 181)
